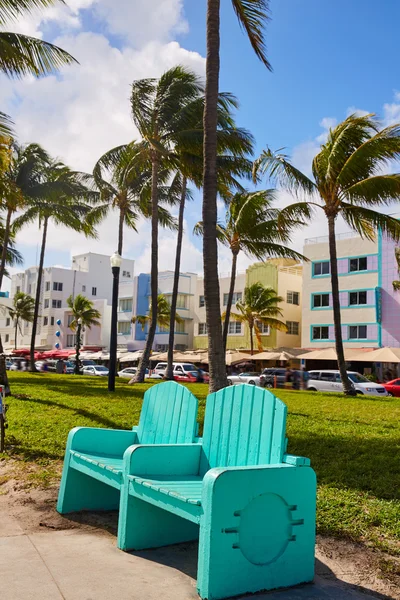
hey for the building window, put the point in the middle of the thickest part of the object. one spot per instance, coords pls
(7, 337)
(357, 298)
(94, 291)
(293, 327)
(234, 328)
(8, 321)
(180, 327)
(358, 264)
(71, 340)
(45, 321)
(201, 301)
(202, 328)
(70, 319)
(17, 289)
(320, 300)
(293, 298)
(126, 274)
(162, 347)
(30, 289)
(51, 320)
(84, 288)
(56, 303)
(320, 333)
(124, 327)
(57, 286)
(181, 301)
(237, 297)
(357, 332)
(46, 303)
(47, 288)
(264, 328)
(125, 304)
(321, 268)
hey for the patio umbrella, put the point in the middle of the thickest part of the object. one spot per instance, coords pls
(381, 355)
(328, 354)
(233, 357)
(131, 356)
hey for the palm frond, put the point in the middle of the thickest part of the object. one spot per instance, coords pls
(6, 124)
(253, 16)
(367, 222)
(377, 190)
(11, 10)
(278, 167)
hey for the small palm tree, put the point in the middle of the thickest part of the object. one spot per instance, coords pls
(348, 181)
(159, 112)
(84, 316)
(260, 305)
(22, 309)
(253, 16)
(253, 226)
(396, 283)
(59, 197)
(163, 314)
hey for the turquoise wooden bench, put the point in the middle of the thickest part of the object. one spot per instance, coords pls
(253, 505)
(92, 475)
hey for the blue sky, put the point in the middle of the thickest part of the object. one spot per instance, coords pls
(328, 58)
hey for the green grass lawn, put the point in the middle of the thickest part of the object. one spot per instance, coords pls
(353, 443)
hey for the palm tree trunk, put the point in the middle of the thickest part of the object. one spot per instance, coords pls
(3, 371)
(16, 334)
(121, 231)
(251, 340)
(230, 298)
(144, 361)
(347, 386)
(77, 348)
(5, 245)
(174, 298)
(210, 251)
(37, 298)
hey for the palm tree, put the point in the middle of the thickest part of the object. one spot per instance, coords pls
(260, 305)
(84, 316)
(163, 314)
(22, 55)
(58, 197)
(22, 309)
(348, 181)
(254, 227)
(233, 145)
(252, 15)
(158, 111)
(396, 283)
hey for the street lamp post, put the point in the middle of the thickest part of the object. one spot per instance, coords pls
(115, 261)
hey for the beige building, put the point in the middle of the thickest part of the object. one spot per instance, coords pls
(285, 277)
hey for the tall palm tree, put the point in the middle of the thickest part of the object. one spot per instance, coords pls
(253, 226)
(59, 197)
(158, 111)
(85, 315)
(163, 314)
(260, 305)
(348, 181)
(22, 309)
(252, 15)
(234, 144)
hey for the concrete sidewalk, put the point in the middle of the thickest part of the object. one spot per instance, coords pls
(82, 565)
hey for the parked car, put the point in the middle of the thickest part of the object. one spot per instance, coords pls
(95, 370)
(392, 387)
(130, 372)
(251, 378)
(330, 381)
(267, 377)
(195, 376)
(179, 368)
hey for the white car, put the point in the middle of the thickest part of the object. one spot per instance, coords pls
(95, 370)
(250, 378)
(130, 372)
(179, 368)
(330, 381)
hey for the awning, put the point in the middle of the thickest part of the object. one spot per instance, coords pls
(281, 356)
(381, 355)
(330, 354)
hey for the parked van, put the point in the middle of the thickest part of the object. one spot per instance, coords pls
(330, 381)
(179, 368)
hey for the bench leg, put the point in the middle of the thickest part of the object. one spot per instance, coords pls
(81, 492)
(142, 525)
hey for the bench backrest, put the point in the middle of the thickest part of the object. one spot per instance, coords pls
(243, 425)
(168, 415)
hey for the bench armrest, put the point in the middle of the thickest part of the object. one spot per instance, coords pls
(296, 461)
(103, 441)
(162, 459)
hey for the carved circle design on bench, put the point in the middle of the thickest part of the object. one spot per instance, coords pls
(266, 528)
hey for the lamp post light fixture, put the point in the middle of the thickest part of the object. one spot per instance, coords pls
(115, 261)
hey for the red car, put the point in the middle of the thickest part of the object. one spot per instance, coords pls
(192, 377)
(392, 387)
